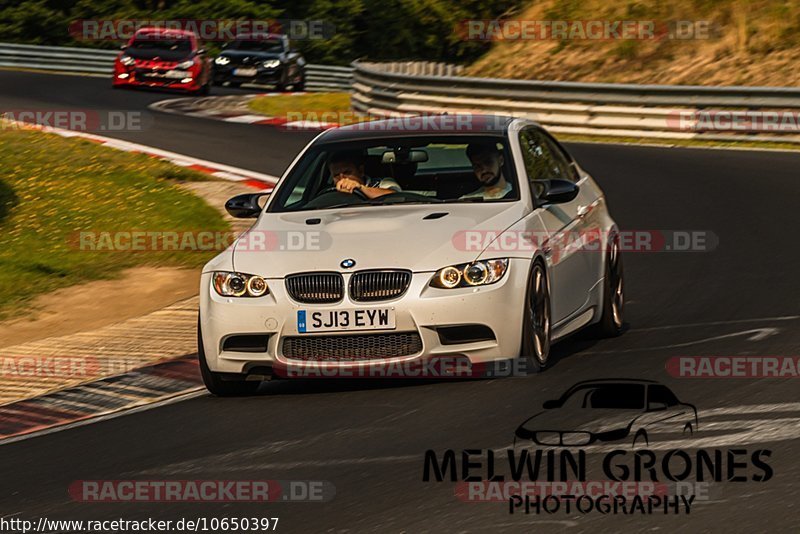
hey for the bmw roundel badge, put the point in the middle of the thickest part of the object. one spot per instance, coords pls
(349, 262)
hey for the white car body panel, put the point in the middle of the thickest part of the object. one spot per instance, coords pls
(397, 237)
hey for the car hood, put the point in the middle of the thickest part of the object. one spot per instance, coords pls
(588, 420)
(260, 56)
(375, 237)
(163, 55)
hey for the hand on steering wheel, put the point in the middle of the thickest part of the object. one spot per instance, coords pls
(357, 192)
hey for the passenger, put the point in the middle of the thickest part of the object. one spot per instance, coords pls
(487, 164)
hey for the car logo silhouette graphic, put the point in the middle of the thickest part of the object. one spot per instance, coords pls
(609, 410)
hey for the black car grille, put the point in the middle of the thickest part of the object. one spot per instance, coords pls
(247, 61)
(367, 286)
(351, 348)
(315, 288)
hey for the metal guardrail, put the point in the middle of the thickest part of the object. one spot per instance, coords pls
(97, 61)
(384, 75)
(567, 107)
(57, 58)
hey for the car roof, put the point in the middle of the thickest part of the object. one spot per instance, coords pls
(445, 125)
(164, 31)
(602, 381)
(258, 36)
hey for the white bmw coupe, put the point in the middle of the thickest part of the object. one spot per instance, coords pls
(399, 241)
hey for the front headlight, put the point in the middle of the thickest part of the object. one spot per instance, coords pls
(229, 284)
(186, 65)
(127, 60)
(272, 63)
(479, 273)
(222, 60)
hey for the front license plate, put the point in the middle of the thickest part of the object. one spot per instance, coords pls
(244, 72)
(345, 320)
(177, 74)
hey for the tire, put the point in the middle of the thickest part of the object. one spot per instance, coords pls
(214, 382)
(536, 326)
(234, 84)
(301, 85)
(612, 321)
(205, 90)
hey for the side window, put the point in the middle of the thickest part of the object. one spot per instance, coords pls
(661, 394)
(543, 159)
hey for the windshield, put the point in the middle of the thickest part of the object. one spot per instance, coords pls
(162, 44)
(421, 169)
(257, 45)
(607, 397)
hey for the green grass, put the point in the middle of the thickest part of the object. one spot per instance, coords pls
(325, 107)
(52, 188)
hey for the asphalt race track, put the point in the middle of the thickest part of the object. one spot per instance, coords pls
(368, 438)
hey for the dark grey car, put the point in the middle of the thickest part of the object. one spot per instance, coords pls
(264, 59)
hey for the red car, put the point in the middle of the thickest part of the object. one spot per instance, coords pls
(170, 59)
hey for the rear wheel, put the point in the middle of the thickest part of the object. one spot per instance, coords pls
(215, 383)
(612, 321)
(536, 321)
(234, 84)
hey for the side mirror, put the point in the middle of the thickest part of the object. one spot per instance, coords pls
(656, 406)
(244, 206)
(549, 405)
(556, 191)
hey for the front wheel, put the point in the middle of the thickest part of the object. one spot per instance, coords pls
(536, 321)
(612, 321)
(214, 382)
(300, 85)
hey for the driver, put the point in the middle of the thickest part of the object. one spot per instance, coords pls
(347, 171)
(487, 164)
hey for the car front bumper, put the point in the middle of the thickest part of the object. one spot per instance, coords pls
(263, 76)
(421, 310)
(135, 78)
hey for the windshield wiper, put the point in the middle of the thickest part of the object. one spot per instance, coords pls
(349, 205)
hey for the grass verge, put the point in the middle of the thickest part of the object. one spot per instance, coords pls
(322, 107)
(53, 188)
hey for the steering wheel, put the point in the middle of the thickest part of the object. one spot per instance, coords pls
(357, 192)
